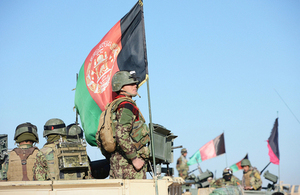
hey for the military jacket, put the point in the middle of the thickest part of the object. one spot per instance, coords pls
(252, 178)
(132, 134)
(182, 167)
(221, 182)
(131, 137)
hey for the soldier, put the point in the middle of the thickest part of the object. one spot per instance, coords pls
(74, 133)
(181, 164)
(210, 181)
(128, 161)
(18, 166)
(251, 177)
(46, 164)
(228, 179)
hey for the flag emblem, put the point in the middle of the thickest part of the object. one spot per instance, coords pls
(99, 67)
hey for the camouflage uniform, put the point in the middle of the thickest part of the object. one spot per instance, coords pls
(252, 178)
(4, 168)
(121, 166)
(3, 156)
(221, 182)
(40, 168)
(182, 167)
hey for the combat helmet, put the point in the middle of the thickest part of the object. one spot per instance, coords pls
(74, 132)
(122, 78)
(227, 171)
(54, 126)
(245, 162)
(183, 150)
(26, 132)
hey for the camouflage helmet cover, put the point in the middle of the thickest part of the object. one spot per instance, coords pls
(27, 128)
(74, 131)
(245, 162)
(183, 150)
(122, 78)
(227, 171)
(54, 126)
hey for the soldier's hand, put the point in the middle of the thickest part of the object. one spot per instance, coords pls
(248, 188)
(138, 163)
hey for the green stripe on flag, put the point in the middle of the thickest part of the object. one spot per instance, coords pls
(196, 158)
(87, 108)
(234, 168)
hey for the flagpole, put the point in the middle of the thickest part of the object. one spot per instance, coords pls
(151, 127)
(199, 168)
(76, 119)
(141, 3)
(151, 137)
(149, 104)
(279, 163)
(225, 152)
(265, 168)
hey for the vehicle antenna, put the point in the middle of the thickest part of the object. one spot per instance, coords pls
(287, 106)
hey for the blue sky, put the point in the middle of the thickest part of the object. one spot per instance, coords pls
(214, 66)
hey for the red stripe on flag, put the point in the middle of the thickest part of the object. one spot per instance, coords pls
(101, 65)
(273, 157)
(273, 144)
(239, 165)
(208, 151)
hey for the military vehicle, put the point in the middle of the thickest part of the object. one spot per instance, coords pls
(160, 185)
(198, 185)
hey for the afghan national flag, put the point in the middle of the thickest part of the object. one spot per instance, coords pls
(273, 144)
(122, 48)
(210, 150)
(237, 166)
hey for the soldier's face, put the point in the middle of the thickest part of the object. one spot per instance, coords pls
(246, 168)
(132, 89)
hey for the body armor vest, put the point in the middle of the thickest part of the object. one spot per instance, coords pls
(21, 161)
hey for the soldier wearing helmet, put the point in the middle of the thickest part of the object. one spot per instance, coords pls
(251, 176)
(74, 133)
(228, 179)
(181, 164)
(128, 161)
(44, 168)
(46, 164)
(20, 162)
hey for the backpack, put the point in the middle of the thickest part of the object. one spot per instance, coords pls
(67, 160)
(73, 162)
(105, 135)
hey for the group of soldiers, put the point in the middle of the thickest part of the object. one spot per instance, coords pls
(128, 161)
(27, 163)
(251, 176)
